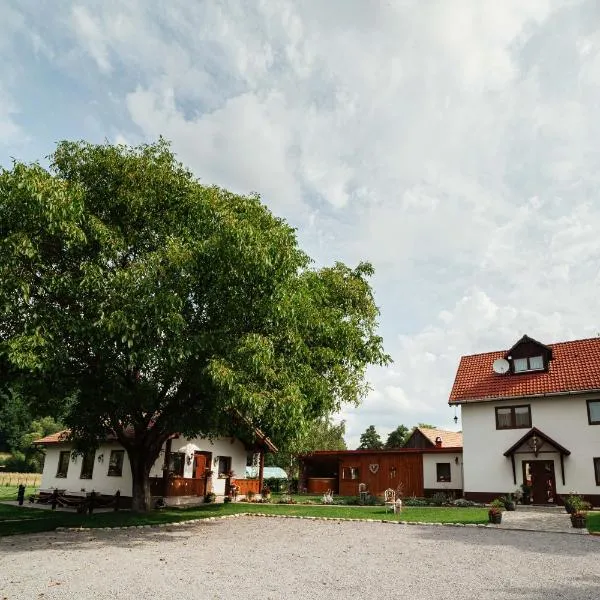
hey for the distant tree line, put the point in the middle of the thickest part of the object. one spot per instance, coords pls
(371, 440)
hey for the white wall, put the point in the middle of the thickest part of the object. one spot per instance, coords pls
(430, 471)
(100, 481)
(104, 484)
(562, 418)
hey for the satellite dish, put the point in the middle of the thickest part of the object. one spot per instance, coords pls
(501, 366)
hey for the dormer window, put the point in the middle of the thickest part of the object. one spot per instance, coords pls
(528, 355)
(532, 363)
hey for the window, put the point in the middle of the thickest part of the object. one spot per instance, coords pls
(115, 464)
(593, 408)
(350, 473)
(513, 417)
(87, 465)
(443, 471)
(224, 466)
(597, 470)
(63, 463)
(533, 363)
(177, 464)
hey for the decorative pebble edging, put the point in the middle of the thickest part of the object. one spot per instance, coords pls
(272, 516)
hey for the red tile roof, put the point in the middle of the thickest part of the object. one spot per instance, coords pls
(60, 437)
(575, 367)
(450, 439)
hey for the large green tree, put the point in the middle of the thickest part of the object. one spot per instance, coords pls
(141, 303)
(397, 437)
(370, 439)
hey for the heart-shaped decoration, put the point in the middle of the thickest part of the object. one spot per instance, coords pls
(373, 468)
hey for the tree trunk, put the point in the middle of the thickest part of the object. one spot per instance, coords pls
(141, 500)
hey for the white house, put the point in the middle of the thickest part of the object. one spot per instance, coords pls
(530, 416)
(196, 466)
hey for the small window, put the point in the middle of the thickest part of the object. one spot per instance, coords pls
(593, 407)
(87, 465)
(63, 463)
(177, 464)
(513, 417)
(350, 473)
(443, 472)
(597, 470)
(115, 464)
(533, 363)
(224, 466)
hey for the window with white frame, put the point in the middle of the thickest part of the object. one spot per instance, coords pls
(532, 363)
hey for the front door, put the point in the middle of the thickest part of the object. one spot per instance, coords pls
(543, 481)
(199, 466)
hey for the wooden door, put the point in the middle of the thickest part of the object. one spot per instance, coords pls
(543, 481)
(199, 466)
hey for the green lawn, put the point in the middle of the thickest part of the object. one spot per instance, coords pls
(593, 521)
(15, 520)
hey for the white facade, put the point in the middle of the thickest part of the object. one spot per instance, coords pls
(102, 483)
(563, 418)
(430, 480)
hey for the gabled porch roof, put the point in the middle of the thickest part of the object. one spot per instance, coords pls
(535, 434)
(535, 440)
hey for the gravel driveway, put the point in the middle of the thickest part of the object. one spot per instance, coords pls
(250, 558)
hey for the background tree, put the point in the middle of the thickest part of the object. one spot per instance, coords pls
(370, 439)
(425, 426)
(140, 303)
(321, 434)
(397, 437)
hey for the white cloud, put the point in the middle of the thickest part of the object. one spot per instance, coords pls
(92, 37)
(452, 144)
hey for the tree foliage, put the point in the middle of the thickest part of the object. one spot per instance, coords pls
(145, 303)
(398, 437)
(321, 434)
(370, 439)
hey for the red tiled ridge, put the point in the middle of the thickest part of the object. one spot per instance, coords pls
(54, 438)
(575, 367)
(450, 439)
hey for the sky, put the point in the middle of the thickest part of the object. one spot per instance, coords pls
(454, 145)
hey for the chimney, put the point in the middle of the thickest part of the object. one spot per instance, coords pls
(438, 442)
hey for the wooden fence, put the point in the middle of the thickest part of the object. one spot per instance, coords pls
(246, 485)
(178, 486)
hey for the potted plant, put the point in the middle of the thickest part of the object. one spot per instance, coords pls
(266, 493)
(572, 502)
(495, 515)
(526, 493)
(509, 502)
(579, 519)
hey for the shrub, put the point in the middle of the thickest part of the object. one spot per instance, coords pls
(210, 497)
(497, 503)
(250, 495)
(439, 499)
(414, 501)
(464, 503)
(286, 499)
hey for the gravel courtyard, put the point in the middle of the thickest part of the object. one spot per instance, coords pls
(262, 558)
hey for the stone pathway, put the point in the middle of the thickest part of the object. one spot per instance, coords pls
(531, 519)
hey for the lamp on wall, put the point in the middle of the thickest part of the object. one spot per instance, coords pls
(100, 458)
(455, 416)
(215, 461)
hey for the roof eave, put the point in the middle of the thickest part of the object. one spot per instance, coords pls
(544, 395)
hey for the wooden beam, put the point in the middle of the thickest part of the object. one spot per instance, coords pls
(514, 468)
(562, 467)
(261, 471)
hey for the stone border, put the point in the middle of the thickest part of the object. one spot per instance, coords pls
(273, 516)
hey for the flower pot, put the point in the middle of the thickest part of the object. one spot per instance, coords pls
(578, 522)
(510, 506)
(496, 519)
